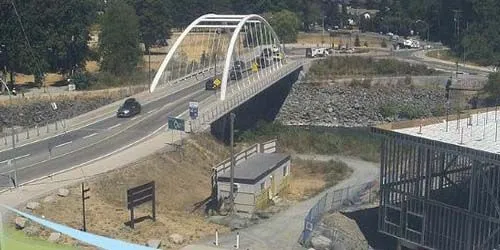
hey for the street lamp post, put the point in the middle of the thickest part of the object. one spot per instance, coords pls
(232, 116)
(323, 32)
(12, 132)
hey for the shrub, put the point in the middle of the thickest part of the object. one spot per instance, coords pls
(357, 43)
(365, 44)
(384, 44)
(366, 66)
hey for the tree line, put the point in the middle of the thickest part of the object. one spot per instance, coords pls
(54, 34)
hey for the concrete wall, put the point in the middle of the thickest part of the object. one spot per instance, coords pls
(262, 107)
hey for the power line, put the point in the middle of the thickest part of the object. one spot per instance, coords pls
(37, 63)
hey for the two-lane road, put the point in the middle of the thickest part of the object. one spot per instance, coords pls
(102, 138)
(79, 146)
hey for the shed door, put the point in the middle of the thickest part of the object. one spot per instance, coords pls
(273, 186)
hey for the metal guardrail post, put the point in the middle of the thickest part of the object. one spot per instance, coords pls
(5, 138)
(47, 127)
(27, 133)
(56, 125)
(17, 136)
(37, 130)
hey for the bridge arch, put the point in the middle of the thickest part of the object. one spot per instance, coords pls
(234, 22)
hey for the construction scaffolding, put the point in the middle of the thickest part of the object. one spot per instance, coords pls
(439, 193)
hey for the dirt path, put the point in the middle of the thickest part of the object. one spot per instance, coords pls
(282, 231)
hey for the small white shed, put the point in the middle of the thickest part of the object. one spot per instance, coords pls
(259, 176)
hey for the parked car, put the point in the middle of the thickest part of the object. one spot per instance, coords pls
(213, 83)
(129, 108)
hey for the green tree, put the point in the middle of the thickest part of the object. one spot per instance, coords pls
(155, 20)
(119, 39)
(55, 35)
(492, 87)
(285, 23)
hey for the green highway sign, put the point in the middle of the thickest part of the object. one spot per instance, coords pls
(175, 123)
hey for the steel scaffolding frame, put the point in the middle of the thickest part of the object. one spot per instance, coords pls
(438, 195)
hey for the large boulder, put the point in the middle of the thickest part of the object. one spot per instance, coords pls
(31, 231)
(154, 243)
(33, 205)
(54, 237)
(321, 242)
(21, 222)
(63, 192)
(49, 199)
(176, 239)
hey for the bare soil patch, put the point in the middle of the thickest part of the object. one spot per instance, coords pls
(311, 177)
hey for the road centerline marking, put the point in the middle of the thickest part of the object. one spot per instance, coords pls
(63, 144)
(114, 126)
(88, 136)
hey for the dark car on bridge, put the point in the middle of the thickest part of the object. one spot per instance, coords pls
(237, 71)
(264, 62)
(129, 108)
(213, 83)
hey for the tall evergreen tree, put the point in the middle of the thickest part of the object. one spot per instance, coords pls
(119, 39)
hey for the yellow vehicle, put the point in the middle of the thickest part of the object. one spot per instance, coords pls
(213, 83)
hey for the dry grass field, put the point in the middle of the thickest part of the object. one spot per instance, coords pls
(318, 38)
(180, 183)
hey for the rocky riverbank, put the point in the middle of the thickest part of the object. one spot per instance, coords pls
(358, 105)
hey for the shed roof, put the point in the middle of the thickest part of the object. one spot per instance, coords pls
(255, 168)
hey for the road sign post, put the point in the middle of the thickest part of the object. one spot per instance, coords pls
(176, 124)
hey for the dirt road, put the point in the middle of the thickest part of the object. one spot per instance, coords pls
(282, 231)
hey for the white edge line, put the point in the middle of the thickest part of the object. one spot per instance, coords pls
(88, 136)
(16, 158)
(135, 117)
(151, 111)
(106, 117)
(114, 126)
(22, 156)
(89, 161)
(63, 144)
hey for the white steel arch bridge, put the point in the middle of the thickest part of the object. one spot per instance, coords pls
(214, 45)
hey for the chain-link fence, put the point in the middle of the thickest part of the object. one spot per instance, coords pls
(351, 196)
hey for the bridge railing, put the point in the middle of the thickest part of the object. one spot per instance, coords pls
(240, 96)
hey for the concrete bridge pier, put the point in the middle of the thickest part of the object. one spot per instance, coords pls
(264, 107)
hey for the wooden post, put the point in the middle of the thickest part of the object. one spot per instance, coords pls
(83, 206)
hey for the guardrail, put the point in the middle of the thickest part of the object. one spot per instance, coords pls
(244, 94)
(334, 201)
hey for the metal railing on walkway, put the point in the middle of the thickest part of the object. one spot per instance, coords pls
(334, 201)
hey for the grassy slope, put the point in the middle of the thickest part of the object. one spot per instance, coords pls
(360, 144)
(12, 239)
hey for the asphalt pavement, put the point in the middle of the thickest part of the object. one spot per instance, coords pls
(76, 147)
